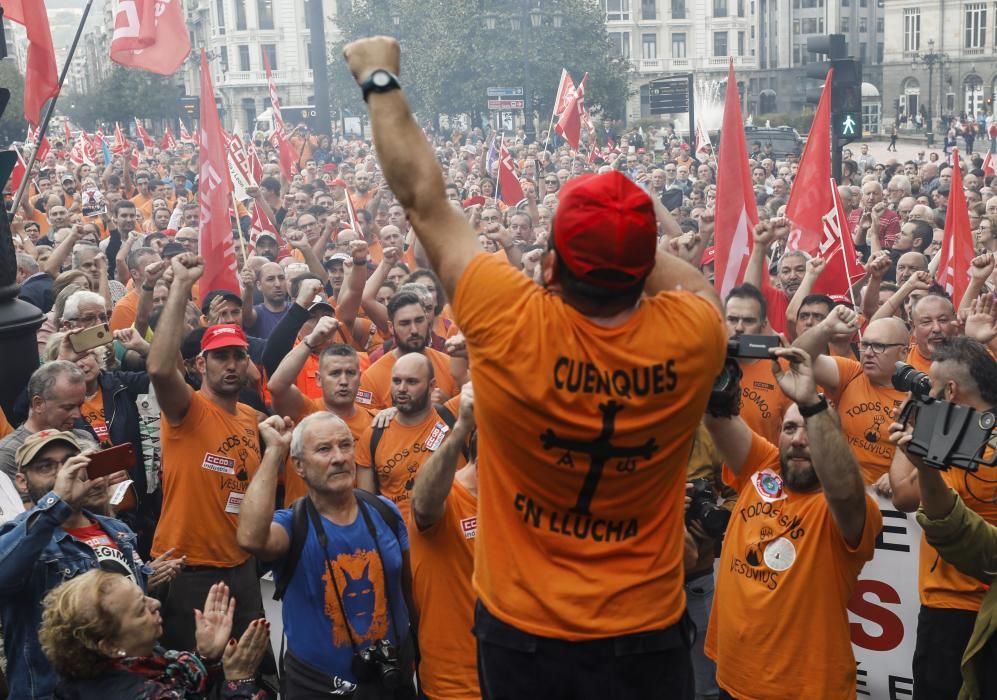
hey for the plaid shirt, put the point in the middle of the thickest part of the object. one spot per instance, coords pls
(889, 225)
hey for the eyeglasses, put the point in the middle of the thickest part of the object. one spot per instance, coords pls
(878, 348)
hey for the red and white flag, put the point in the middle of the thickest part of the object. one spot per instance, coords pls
(736, 214)
(98, 138)
(82, 152)
(67, 132)
(703, 145)
(569, 126)
(255, 165)
(43, 148)
(279, 136)
(217, 246)
(19, 172)
(957, 246)
(168, 142)
(120, 142)
(147, 140)
(41, 75)
(184, 134)
(151, 35)
(988, 164)
(510, 189)
(565, 88)
(260, 223)
(842, 269)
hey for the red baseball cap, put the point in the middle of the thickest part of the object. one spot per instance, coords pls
(842, 299)
(605, 231)
(338, 182)
(224, 335)
(709, 255)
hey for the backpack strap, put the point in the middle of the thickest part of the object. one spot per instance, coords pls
(387, 514)
(451, 420)
(299, 533)
(375, 440)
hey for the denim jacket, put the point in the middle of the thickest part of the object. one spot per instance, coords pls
(36, 555)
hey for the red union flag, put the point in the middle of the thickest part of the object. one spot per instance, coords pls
(564, 90)
(836, 246)
(168, 142)
(18, 174)
(217, 246)
(510, 190)
(957, 245)
(41, 75)
(184, 134)
(238, 167)
(120, 142)
(279, 137)
(147, 140)
(151, 35)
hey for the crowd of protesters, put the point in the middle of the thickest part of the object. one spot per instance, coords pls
(325, 424)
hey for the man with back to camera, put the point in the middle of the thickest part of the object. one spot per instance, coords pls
(583, 465)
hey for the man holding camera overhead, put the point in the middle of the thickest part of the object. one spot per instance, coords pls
(962, 372)
(802, 529)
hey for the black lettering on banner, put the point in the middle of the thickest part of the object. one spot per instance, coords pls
(884, 450)
(598, 450)
(881, 542)
(860, 679)
(572, 524)
(579, 376)
(895, 691)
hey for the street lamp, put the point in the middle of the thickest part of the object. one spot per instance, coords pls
(396, 17)
(930, 59)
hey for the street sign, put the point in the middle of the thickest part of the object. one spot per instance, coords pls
(848, 126)
(669, 95)
(505, 92)
(506, 104)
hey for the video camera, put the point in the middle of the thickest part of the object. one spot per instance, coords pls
(945, 434)
(725, 398)
(703, 508)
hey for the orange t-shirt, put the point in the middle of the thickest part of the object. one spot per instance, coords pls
(92, 411)
(375, 382)
(940, 584)
(866, 414)
(917, 360)
(208, 461)
(762, 402)
(442, 565)
(584, 437)
(784, 556)
(123, 315)
(403, 449)
(5, 427)
(294, 485)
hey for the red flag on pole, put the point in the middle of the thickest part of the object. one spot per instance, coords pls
(836, 246)
(810, 200)
(144, 135)
(43, 148)
(736, 213)
(216, 243)
(255, 165)
(18, 174)
(120, 142)
(510, 191)
(184, 134)
(279, 137)
(67, 132)
(168, 142)
(41, 75)
(957, 245)
(151, 35)
(564, 90)
(988, 164)
(569, 126)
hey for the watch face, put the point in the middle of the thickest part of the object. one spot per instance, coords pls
(381, 79)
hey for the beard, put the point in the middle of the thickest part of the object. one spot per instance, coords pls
(415, 405)
(411, 344)
(798, 479)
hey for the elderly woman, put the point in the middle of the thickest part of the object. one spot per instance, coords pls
(100, 632)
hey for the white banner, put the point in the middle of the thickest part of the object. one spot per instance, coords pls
(238, 168)
(883, 609)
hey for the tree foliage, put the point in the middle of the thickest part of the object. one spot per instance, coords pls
(121, 97)
(13, 126)
(450, 57)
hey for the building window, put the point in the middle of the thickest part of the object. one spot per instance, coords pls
(863, 3)
(678, 45)
(879, 25)
(678, 9)
(976, 25)
(809, 4)
(621, 43)
(649, 46)
(863, 50)
(912, 30)
(719, 8)
(617, 10)
(649, 9)
(846, 25)
(863, 25)
(797, 55)
(220, 12)
(720, 44)
(243, 57)
(740, 43)
(240, 14)
(270, 51)
(264, 13)
(249, 107)
(879, 52)
(740, 8)
(808, 25)
(224, 57)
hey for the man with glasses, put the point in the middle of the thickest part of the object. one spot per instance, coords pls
(125, 216)
(862, 390)
(889, 222)
(187, 237)
(210, 450)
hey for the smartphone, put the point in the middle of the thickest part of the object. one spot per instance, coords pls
(92, 337)
(113, 459)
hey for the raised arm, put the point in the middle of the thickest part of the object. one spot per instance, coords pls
(257, 533)
(150, 275)
(287, 397)
(53, 266)
(919, 280)
(162, 364)
(351, 293)
(671, 273)
(815, 266)
(375, 310)
(765, 234)
(247, 284)
(814, 342)
(877, 268)
(435, 478)
(980, 269)
(410, 167)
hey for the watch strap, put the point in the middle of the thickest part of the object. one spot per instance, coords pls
(368, 86)
(814, 409)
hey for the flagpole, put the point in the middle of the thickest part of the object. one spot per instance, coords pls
(553, 113)
(498, 171)
(238, 225)
(848, 271)
(51, 108)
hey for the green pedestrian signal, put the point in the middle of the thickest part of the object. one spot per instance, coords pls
(848, 126)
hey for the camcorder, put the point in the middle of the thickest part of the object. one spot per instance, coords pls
(725, 398)
(703, 509)
(945, 434)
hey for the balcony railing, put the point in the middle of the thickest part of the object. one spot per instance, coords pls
(259, 77)
(712, 63)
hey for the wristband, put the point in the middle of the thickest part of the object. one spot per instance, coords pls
(814, 409)
(304, 341)
(149, 289)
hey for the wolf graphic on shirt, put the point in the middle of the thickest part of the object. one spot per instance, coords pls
(360, 578)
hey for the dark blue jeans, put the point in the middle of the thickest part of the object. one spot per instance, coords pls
(514, 665)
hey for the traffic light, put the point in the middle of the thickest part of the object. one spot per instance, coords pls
(816, 71)
(846, 100)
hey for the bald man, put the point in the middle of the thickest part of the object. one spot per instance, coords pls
(889, 222)
(909, 263)
(862, 391)
(388, 459)
(259, 320)
(905, 207)
(932, 318)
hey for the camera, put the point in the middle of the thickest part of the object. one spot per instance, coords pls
(945, 434)
(703, 509)
(378, 662)
(725, 398)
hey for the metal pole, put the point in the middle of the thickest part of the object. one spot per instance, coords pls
(51, 108)
(320, 71)
(931, 87)
(692, 115)
(529, 127)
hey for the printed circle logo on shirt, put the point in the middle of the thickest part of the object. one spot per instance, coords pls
(768, 484)
(780, 554)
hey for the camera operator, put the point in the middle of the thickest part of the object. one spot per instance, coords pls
(862, 390)
(966, 541)
(964, 373)
(802, 529)
(762, 402)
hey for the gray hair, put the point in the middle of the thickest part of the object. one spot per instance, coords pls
(900, 182)
(80, 248)
(420, 290)
(44, 379)
(71, 311)
(28, 263)
(298, 436)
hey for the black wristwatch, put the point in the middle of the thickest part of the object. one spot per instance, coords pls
(379, 81)
(814, 409)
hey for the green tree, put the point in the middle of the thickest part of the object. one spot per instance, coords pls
(124, 95)
(13, 126)
(450, 57)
